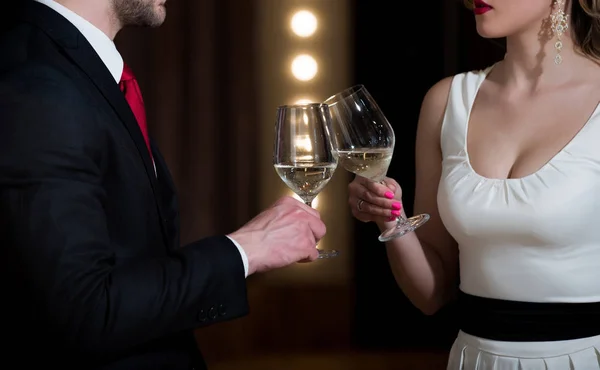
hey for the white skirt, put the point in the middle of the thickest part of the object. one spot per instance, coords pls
(474, 353)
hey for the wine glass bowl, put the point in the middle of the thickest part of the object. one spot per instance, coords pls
(363, 138)
(303, 154)
(364, 142)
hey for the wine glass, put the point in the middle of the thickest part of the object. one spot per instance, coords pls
(364, 141)
(303, 155)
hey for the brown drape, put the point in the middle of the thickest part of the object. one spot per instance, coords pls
(199, 79)
(197, 76)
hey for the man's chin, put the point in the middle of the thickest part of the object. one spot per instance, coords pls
(161, 15)
(157, 20)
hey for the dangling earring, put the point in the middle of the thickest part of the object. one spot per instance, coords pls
(560, 24)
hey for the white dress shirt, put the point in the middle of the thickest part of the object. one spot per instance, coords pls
(112, 59)
(102, 44)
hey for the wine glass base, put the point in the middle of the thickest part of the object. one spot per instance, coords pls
(404, 227)
(327, 253)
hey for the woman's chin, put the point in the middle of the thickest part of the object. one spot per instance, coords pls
(488, 32)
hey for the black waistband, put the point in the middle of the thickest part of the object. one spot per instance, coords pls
(514, 321)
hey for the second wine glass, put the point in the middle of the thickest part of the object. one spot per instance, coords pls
(303, 155)
(364, 140)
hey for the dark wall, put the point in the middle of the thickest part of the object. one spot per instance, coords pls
(399, 55)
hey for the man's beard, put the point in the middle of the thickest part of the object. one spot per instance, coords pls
(137, 13)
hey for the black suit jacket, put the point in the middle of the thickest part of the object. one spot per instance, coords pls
(91, 272)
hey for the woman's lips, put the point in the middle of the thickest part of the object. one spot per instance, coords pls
(481, 7)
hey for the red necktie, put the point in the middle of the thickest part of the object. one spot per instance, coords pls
(133, 95)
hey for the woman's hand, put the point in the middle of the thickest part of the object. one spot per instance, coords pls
(373, 201)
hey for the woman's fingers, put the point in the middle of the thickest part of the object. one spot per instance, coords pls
(368, 202)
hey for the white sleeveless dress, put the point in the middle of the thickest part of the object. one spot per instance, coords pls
(533, 239)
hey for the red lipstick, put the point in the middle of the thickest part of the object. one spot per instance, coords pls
(481, 7)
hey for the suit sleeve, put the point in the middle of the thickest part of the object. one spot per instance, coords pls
(52, 202)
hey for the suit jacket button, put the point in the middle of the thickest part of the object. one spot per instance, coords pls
(222, 310)
(212, 313)
(202, 316)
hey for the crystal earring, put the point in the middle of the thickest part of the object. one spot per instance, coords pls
(560, 24)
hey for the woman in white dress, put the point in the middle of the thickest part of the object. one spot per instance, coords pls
(508, 167)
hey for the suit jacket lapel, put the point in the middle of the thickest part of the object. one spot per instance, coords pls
(83, 55)
(93, 67)
(167, 193)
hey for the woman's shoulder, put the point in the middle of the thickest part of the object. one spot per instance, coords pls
(473, 75)
(438, 94)
(437, 97)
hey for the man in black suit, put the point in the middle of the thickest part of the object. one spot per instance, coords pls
(91, 272)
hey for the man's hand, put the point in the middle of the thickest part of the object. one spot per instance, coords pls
(285, 233)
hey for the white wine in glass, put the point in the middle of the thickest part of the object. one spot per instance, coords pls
(366, 162)
(303, 154)
(364, 141)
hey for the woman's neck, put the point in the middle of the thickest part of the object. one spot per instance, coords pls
(529, 62)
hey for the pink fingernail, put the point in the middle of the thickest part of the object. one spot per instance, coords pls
(391, 218)
(389, 195)
(396, 213)
(397, 205)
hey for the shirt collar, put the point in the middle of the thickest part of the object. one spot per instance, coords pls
(101, 43)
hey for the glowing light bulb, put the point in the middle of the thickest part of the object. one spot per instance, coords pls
(304, 23)
(304, 67)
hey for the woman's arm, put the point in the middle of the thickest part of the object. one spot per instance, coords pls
(424, 263)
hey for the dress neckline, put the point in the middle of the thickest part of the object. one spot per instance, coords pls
(482, 77)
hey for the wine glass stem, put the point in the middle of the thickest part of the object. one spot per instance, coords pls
(401, 220)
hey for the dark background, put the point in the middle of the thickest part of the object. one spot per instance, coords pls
(198, 76)
(399, 56)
